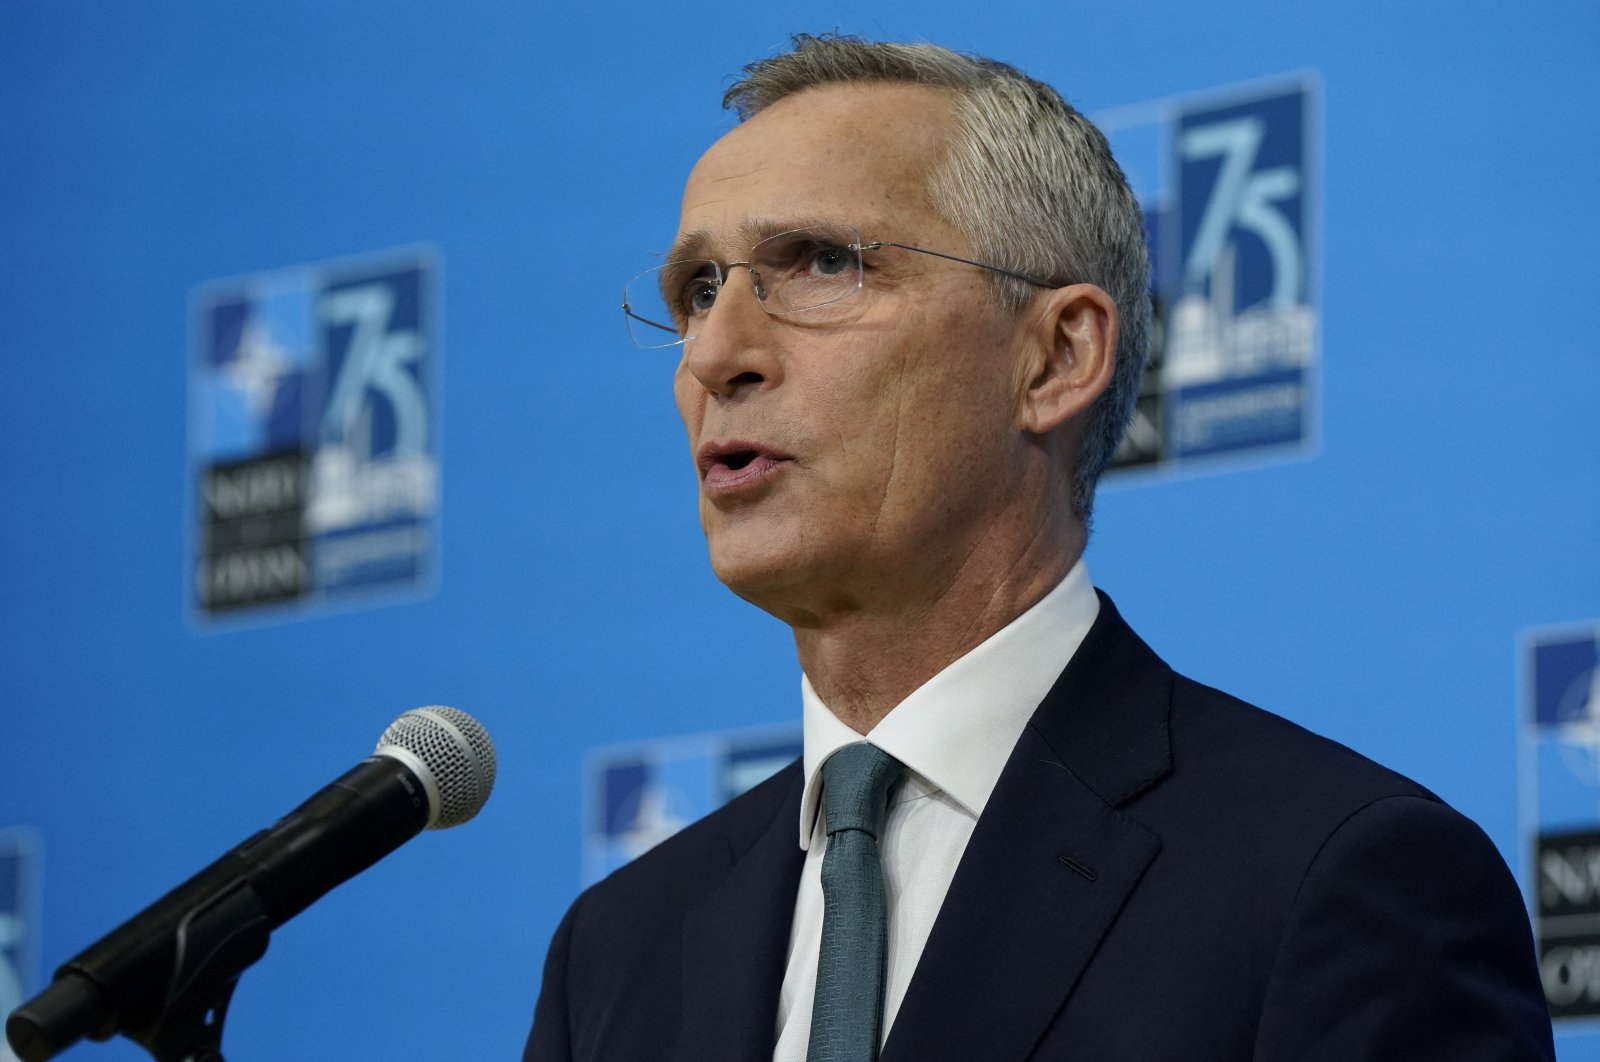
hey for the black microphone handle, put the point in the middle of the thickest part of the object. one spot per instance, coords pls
(123, 982)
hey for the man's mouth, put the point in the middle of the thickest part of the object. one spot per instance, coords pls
(726, 467)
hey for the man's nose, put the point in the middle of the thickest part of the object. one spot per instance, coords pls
(733, 347)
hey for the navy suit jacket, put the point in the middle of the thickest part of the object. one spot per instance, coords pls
(1162, 873)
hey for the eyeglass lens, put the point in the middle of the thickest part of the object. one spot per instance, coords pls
(792, 272)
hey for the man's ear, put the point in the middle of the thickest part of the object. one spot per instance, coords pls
(1072, 351)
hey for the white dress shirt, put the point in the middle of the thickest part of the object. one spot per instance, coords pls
(954, 735)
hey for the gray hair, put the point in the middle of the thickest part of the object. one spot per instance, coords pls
(1027, 179)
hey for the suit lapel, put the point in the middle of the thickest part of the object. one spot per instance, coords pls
(1051, 862)
(736, 938)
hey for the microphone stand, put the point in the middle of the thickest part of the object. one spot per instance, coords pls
(212, 946)
(164, 978)
(216, 944)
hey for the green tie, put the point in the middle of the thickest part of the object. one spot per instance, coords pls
(848, 1007)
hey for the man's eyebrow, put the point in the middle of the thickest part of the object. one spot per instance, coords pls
(698, 243)
(694, 244)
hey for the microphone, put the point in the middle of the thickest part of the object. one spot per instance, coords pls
(176, 962)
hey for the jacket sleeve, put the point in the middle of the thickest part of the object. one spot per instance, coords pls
(551, 1037)
(1408, 940)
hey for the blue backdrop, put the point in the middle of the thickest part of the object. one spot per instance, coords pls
(1373, 589)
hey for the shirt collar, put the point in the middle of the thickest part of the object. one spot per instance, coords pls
(957, 729)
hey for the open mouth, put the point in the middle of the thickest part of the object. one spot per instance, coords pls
(737, 465)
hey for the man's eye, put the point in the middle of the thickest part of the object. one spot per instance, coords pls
(698, 295)
(830, 261)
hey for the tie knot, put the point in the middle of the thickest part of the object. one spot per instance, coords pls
(855, 788)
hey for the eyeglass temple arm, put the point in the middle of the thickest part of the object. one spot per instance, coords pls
(628, 312)
(876, 244)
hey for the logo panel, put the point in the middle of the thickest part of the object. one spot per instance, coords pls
(1227, 194)
(19, 922)
(314, 440)
(639, 795)
(1562, 753)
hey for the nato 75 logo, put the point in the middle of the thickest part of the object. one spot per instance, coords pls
(314, 438)
(1229, 216)
(1247, 198)
(1241, 335)
(375, 352)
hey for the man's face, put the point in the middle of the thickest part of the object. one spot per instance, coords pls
(864, 455)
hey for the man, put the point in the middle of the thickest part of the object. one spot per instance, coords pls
(909, 295)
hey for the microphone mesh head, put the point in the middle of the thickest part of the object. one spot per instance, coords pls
(456, 750)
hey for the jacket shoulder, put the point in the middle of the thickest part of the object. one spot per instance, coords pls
(1213, 731)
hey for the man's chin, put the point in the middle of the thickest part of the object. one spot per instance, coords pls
(768, 577)
(751, 576)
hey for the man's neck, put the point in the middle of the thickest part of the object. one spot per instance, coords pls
(864, 663)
